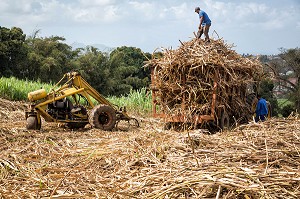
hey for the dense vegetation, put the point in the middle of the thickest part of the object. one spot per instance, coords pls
(15, 89)
(47, 59)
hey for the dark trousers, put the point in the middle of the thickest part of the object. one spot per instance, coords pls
(200, 33)
(260, 117)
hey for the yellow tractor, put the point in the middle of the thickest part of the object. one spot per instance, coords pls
(74, 102)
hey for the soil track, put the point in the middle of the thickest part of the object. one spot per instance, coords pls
(253, 161)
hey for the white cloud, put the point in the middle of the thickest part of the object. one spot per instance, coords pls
(146, 10)
(220, 8)
(97, 3)
(14, 6)
(94, 15)
(144, 7)
(181, 11)
(240, 14)
(250, 11)
(4, 5)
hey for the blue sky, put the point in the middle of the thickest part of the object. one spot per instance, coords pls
(255, 27)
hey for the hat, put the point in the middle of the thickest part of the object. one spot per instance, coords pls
(197, 8)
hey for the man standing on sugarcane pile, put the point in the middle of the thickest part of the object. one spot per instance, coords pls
(204, 25)
(261, 109)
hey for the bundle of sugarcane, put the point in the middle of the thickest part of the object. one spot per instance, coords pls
(187, 76)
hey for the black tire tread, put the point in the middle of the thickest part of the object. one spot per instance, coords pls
(95, 113)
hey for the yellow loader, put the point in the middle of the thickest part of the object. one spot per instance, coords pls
(74, 102)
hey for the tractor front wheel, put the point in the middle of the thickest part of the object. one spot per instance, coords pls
(32, 123)
(103, 117)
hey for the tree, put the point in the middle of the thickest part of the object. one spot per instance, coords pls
(49, 58)
(287, 72)
(128, 71)
(266, 91)
(93, 66)
(13, 51)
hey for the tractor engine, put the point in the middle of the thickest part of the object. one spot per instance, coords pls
(61, 109)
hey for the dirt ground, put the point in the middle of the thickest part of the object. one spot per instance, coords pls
(251, 161)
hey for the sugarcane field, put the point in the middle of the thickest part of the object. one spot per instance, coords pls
(200, 140)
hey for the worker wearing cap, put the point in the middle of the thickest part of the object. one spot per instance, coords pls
(204, 25)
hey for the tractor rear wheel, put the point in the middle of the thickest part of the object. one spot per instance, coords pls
(32, 123)
(103, 117)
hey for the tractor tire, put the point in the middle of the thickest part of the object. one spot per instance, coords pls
(103, 117)
(224, 121)
(32, 123)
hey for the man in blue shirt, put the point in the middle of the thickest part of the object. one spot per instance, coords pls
(261, 109)
(204, 25)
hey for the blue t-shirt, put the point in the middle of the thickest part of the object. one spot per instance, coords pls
(261, 107)
(206, 19)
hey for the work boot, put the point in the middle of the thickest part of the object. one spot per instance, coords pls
(207, 41)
